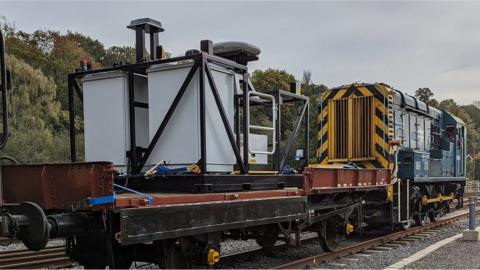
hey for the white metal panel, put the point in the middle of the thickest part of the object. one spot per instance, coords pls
(106, 125)
(219, 150)
(180, 142)
(105, 118)
(258, 142)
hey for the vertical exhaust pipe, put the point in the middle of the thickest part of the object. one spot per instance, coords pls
(153, 28)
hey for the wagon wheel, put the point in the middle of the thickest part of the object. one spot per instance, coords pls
(329, 235)
(174, 256)
(123, 262)
(267, 237)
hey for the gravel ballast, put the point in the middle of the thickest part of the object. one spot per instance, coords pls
(17, 245)
(389, 257)
(371, 261)
(458, 254)
(261, 260)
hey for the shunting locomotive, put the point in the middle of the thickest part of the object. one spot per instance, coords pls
(176, 162)
(376, 126)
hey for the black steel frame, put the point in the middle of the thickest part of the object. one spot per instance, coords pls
(5, 81)
(302, 115)
(201, 63)
(159, 223)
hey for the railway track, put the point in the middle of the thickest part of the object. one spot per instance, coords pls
(54, 257)
(5, 241)
(275, 248)
(51, 257)
(311, 262)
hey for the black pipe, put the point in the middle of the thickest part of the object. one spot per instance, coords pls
(237, 119)
(131, 117)
(139, 44)
(78, 90)
(292, 137)
(3, 90)
(203, 129)
(246, 129)
(71, 116)
(62, 225)
(141, 66)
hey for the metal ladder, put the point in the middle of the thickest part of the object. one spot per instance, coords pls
(258, 97)
(265, 128)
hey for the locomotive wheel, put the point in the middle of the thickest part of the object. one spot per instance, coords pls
(448, 208)
(420, 219)
(405, 225)
(267, 237)
(432, 216)
(328, 235)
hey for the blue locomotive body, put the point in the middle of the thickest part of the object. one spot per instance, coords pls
(433, 142)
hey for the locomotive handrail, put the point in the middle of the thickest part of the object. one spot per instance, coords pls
(4, 80)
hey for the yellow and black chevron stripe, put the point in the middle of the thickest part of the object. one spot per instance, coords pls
(377, 128)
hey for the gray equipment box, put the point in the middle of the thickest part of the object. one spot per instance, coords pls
(179, 144)
(105, 106)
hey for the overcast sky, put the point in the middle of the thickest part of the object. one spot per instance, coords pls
(405, 44)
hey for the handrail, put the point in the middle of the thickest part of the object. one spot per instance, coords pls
(3, 92)
(272, 128)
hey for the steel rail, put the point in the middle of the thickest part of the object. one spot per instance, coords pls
(312, 261)
(5, 241)
(51, 257)
(232, 256)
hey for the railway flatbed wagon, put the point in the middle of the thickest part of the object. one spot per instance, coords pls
(183, 153)
(109, 224)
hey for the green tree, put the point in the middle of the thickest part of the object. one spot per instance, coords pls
(314, 92)
(474, 113)
(54, 54)
(274, 79)
(93, 47)
(426, 95)
(34, 116)
(271, 80)
(119, 55)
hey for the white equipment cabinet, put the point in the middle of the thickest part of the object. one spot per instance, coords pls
(180, 141)
(257, 142)
(106, 116)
